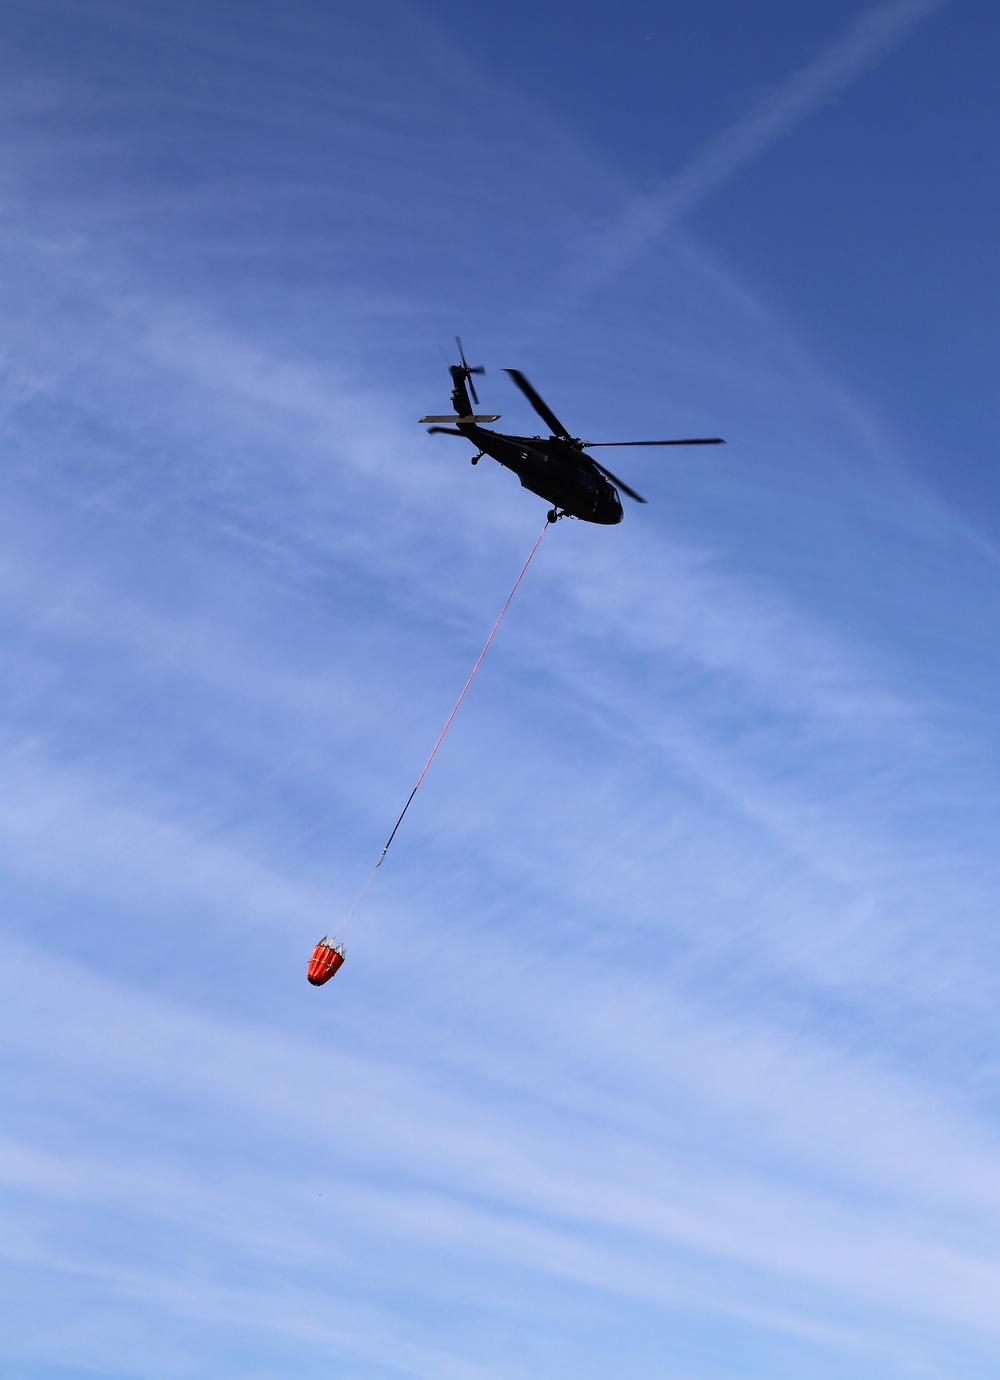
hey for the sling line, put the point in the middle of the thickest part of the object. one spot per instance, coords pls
(472, 675)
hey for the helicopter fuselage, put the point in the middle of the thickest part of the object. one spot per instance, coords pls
(556, 467)
(556, 470)
(553, 468)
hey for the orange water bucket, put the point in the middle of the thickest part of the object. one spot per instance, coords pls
(326, 958)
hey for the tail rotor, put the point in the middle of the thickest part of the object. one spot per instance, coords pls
(468, 369)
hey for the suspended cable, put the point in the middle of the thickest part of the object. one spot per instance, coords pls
(465, 687)
(440, 738)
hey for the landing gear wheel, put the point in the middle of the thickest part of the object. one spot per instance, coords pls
(553, 515)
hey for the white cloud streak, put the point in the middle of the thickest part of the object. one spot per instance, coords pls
(869, 38)
(817, 1169)
(609, 1033)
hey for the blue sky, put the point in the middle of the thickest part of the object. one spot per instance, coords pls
(666, 1044)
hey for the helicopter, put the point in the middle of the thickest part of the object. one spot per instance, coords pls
(556, 468)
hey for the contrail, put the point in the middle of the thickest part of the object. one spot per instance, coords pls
(873, 34)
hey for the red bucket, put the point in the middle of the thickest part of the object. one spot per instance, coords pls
(326, 959)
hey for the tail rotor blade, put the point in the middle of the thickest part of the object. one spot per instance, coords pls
(469, 369)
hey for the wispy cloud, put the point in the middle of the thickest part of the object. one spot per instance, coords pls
(737, 1156)
(660, 1020)
(867, 39)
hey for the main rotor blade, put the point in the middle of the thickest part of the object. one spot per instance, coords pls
(539, 404)
(691, 441)
(620, 483)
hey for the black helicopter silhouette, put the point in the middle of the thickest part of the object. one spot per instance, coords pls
(557, 468)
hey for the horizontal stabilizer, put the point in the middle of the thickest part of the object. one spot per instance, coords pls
(450, 417)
